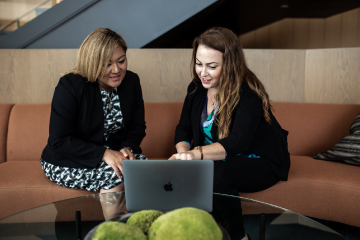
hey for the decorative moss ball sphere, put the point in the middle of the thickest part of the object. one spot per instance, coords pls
(118, 230)
(144, 219)
(185, 224)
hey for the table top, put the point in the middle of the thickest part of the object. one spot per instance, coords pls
(58, 220)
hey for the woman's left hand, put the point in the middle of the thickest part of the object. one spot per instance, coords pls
(127, 153)
(188, 155)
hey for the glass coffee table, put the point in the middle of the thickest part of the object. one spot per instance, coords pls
(75, 218)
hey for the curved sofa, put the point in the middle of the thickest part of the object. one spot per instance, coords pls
(315, 188)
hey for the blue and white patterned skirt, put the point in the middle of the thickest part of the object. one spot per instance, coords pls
(91, 179)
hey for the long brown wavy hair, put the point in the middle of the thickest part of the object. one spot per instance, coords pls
(233, 75)
(95, 53)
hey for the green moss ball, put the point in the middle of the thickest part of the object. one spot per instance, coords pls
(185, 223)
(118, 230)
(144, 219)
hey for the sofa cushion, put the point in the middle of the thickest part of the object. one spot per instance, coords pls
(313, 127)
(23, 184)
(4, 122)
(161, 121)
(348, 149)
(28, 131)
(322, 189)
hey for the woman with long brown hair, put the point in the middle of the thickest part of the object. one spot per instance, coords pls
(228, 119)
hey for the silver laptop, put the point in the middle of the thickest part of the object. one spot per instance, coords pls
(167, 185)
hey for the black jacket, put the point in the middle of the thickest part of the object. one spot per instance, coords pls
(76, 132)
(249, 131)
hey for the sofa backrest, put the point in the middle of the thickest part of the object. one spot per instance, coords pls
(161, 121)
(4, 123)
(314, 128)
(28, 131)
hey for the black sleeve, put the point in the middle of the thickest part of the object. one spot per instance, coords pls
(63, 125)
(246, 121)
(183, 130)
(136, 131)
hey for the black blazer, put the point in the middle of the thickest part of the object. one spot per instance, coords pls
(249, 131)
(76, 132)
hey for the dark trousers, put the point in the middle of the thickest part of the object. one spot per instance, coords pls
(238, 174)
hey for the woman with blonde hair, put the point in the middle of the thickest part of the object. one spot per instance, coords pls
(228, 119)
(97, 117)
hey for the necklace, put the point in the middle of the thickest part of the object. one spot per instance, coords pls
(109, 98)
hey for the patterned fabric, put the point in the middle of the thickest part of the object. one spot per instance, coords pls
(348, 149)
(113, 118)
(91, 179)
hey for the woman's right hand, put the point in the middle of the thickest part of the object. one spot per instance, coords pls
(114, 159)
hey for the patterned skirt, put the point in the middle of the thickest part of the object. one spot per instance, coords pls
(91, 179)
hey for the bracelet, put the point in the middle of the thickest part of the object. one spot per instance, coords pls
(201, 152)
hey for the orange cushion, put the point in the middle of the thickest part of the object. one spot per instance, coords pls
(161, 121)
(23, 185)
(28, 131)
(314, 128)
(316, 188)
(4, 122)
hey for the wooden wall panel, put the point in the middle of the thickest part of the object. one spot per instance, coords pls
(46, 68)
(324, 75)
(358, 28)
(333, 76)
(14, 75)
(316, 33)
(281, 72)
(262, 38)
(299, 33)
(333, 31)
(341, 30)
(249, 40)
(164, 74)
(349, 28)
(275, 35)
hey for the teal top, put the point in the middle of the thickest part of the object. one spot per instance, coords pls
(206, 123)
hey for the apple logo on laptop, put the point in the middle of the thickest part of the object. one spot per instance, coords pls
(168, 187)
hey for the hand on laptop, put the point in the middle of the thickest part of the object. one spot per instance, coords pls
(188, 155)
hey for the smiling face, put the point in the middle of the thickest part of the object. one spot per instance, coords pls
(113, 74)
(208, 66)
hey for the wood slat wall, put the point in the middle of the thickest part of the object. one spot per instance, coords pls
(341, 30)
(333, 76)
(322, 76)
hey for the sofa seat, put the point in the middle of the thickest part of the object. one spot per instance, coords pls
(23, 185)
(315, 188)
(313, 184)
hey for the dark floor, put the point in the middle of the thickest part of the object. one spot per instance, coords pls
(298, 231)
(273, 230)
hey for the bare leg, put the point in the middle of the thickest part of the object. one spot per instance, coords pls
(118, 188)
(113, 202)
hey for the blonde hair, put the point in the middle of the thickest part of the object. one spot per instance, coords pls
(95, 53)
(233, 75)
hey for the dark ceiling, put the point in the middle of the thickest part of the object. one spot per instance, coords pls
(243, 16)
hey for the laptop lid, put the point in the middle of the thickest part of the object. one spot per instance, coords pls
(167, 185)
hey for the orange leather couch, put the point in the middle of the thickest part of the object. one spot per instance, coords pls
(315, 188)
